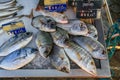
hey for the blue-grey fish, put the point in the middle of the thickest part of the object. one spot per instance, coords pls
(15, 43)
(59, 59)
(75, 27)
(44, 43)
(95, 48)
(92, 31)
(18, 58)
(59, 37)
(81, 57)
(43, 23)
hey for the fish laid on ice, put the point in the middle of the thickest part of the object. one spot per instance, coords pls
(15, 43)
(44, 43)
(58, 17)
(59, 59)
(75, 27)
(44, 23)
(92, 31)
(18, 58)
(59, 37)
(95, 48)
(9, 12)
(81, 57)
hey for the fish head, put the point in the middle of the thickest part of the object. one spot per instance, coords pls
(30, 51)
(91, 68)
(25, 35)
(79, 28)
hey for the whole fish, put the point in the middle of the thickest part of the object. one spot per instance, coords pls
(18, 58)
(9, 12)
(81, 57)
(15, 43)
(44, 43)
(8, 20)
(95, 48)
(75, 27)
(59, 37)
(92, 31)
(58, 17)
(44, 23)
(59, 59)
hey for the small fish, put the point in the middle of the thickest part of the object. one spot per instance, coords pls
(9, 12)
(43, 23)
(81, 57)
(75, 27)
(44, 43)
(18, 58)
(8, 20)
(59, 37)
(59, 59)
(58, 17)
(92, 31)
(95, 48)
(15, 43)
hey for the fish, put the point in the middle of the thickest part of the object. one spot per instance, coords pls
(80, 57)
(15, 43)
(18, 58)
(43, 23)
(8, 20)
(92, 31)
(10, 12)
(59, 59)
(58, 17)
(75, 27)
(59, 37)
(94, 47)
(44, 43)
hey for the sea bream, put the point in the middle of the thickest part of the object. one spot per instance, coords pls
(59, 37)
(58, 17)
(81, 57)
(44, 43)
(92, 31)
(15, 43)
(18, 58)
(59, 59)
(75, 27)
(43, 23)
(95, 48)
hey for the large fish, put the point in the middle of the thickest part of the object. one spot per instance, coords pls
(81, 57)
(59, 37)
(58, 17)
(15, 43)
(92, 31)
(44, 23)
(9, 12)
(18, 58)
(44, 43)
(59, 59)
(95, 48)
(75, 27)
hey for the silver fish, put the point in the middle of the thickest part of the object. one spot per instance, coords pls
(95, 48)
(9, 12)
(92, 31)
(18, 58)
(81, 57)
(15, 43)
(58, 17)
(59, 59)
(59, 37)
(75, 27)
(44, 43)
(44, 23)
(11, 19)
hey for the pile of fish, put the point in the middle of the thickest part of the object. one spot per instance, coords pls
(58, 38)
